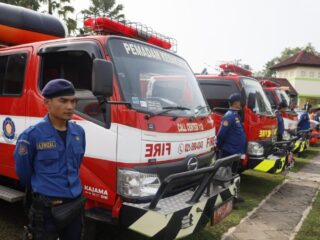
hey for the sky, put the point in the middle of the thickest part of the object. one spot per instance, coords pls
(211, 32)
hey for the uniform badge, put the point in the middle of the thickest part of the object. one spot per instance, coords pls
(225, 123)
(77, 138)
(23, 149)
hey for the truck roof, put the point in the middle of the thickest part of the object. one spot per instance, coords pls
(283, 82)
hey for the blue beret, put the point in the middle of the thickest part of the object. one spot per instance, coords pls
(234, 97)
(57, 88)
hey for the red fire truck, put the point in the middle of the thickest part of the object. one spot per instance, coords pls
(258, 118)
(277, 93)
(148, 164)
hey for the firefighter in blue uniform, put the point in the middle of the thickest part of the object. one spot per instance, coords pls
(281, 109)
(48, 156)
(231, 137)
(304, 120)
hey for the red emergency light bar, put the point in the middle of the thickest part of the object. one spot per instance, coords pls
(268, 83)
(231, 68)
(105, 25)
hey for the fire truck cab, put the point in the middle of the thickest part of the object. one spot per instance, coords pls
(148, 163)
(276, 94)
(259, 121)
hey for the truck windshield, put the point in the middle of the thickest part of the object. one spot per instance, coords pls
(262, 105)
(283, 96)
(153, 80)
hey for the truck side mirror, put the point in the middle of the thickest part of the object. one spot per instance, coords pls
(252, 101)
(102, 78)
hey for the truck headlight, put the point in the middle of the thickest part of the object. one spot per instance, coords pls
(255, 149)
(286, 136)
(136, 184)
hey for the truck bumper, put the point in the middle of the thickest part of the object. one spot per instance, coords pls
(174, 217)
(300, 145)
(271, 164)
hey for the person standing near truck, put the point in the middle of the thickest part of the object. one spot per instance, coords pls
(281, 110)
(48, 156)
(231, 138)
(304, 120)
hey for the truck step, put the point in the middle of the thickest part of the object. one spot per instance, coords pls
(10, 195)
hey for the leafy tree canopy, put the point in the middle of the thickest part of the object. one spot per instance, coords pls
(105, 8)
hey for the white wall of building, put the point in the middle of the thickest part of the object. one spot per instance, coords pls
(306, 80)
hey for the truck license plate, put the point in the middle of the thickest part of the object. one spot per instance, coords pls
(221, 212)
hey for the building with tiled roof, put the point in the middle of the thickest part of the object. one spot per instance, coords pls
(303, 72)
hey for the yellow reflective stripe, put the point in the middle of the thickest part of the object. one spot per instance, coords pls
(296, 145)
(196, 215)
(283, 161)
(302, 146)
(151, 223)
(265, 165)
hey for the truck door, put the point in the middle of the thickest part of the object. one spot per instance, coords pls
(73, 61)
(217, 93)
(13, 92)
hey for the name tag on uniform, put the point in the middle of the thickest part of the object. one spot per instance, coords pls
(46, 145)
(237, 120)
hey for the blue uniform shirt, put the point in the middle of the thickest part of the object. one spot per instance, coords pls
(48, 166)
(280, 123)
(231, 136)
(304, 123)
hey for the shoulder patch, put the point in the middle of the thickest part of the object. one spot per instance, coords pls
(225, 123)
(23, 150)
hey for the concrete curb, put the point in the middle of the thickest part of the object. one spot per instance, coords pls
(304, 216)
(249, 214)
(233, 231)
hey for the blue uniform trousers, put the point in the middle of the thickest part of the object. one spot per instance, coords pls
(44, 226)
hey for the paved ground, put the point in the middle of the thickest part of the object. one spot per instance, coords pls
(280, 215)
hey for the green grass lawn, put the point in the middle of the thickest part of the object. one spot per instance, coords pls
(310, 153)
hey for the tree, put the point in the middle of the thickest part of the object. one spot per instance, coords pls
(62, 8)
(286, 53)
(105, 8)
(31, 4)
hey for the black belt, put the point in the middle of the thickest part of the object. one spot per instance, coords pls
(52, 201)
